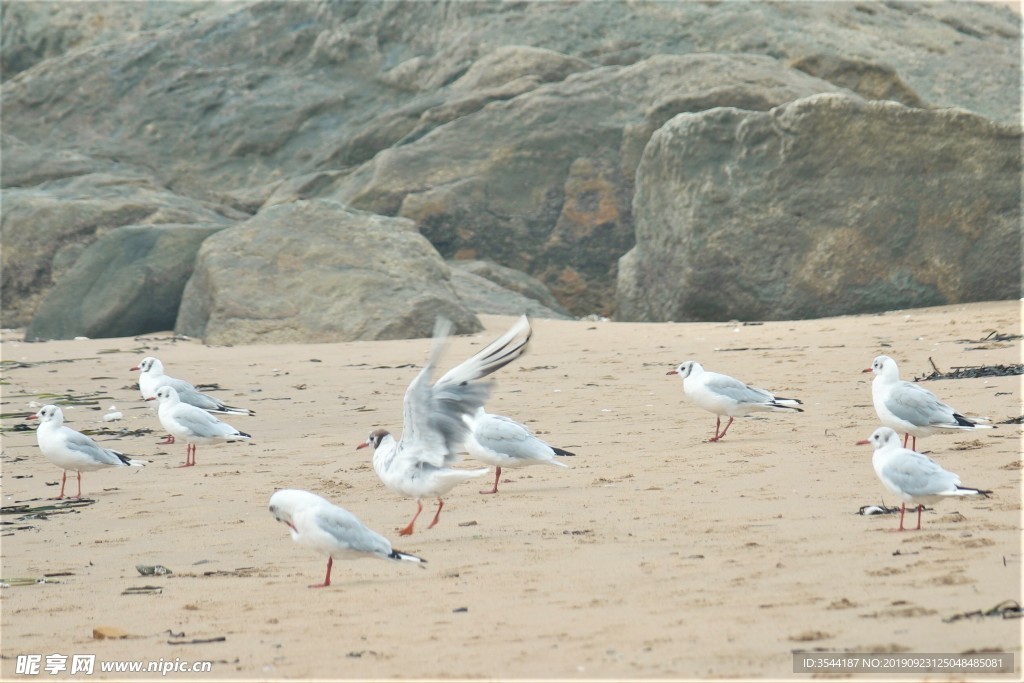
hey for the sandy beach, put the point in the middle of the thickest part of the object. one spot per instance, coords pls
(656, 555)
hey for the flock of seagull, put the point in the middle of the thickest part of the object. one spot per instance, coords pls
(447, 418)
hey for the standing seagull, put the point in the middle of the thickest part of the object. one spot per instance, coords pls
(329, 529)
(914, 477)
(152, 377)
(910, 408)
(725, 395)
(193, 425)
(433, 429)
(71, 450)
(501, 441)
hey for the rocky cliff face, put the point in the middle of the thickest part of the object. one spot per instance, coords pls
(509, 132)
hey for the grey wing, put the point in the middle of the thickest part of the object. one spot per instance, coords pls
(346, 529)
(180, 385)
(194, 398)
(80, 443)
(918, 406)
(736, 390)
(505, 435)
(919, 475)
(202, 424)
(433, 428)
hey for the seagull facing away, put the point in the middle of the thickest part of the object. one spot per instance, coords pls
(914, 477)
(501, 441)
(319, 524)
(419, 464)
(152, 377)
(910, 408)
(71, 450)
(725, 395)
(191, 424)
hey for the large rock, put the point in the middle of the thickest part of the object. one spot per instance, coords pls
(318, 271)
(822, 206)
(512, 279)
(543, 182)
(259, 103)
(46, 227)
(126, 283)
(483, 295)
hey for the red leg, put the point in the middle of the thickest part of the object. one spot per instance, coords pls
(903, 510)
(906, 438)
(407, 531)
(79, 485)
(497, 475)
(919, 509)
(914, 447)
(327, 579)
(440, 504)
(190, 455)
(63, 480)
(718, 423)
(719, 437)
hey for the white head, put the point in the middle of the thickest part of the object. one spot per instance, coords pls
(150, 365)
(686, 369)
(886, 367)
(882, 437)
(286, 503)
(49, 415)
(166, 395)
(374, 439)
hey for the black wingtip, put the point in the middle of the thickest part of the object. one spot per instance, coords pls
(981, 492)
(559, 451)
(399, 555)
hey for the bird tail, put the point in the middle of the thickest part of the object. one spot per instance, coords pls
(966, 491)
(398, 555)
(129, 461)
(788, 404)
(560, 451)
(968, 423)
(231, 410)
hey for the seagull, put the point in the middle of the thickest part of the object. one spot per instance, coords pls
(725, 395)
(914, 477)
(193, 425)
(419, 464)
(329, 529)
(71, 450)
(152, 377)
(910, 408)
(501, 441)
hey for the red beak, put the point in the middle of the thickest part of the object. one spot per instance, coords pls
(672, 372)
(863, 442)
(865, 370)
(135, 368)
(151, 398)
(363, 445)
(32, 417)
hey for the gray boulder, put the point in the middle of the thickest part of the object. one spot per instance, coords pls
(318, 271)
(483, 295)
(822, 206)
(543, 182)
(512, 279)
(252, 104)
(126, 283)
(46, 227)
